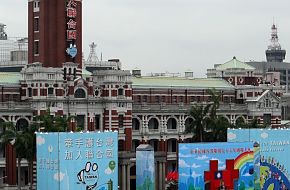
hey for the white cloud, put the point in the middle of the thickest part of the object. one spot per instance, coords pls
(219, 162)
(264, 135)
(108, 171)
(40, 140)
(222, 167)
(58, 176)
(195, 165)
(184, 155)
(232, 136)
(183, 147)
(194, 174)
(203, 157)
(184, 174)
(183, 164)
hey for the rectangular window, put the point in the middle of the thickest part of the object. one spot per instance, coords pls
(50, 91)
(29, 92)
(36, 47)
(121, 121)
(144, 98)
(97, 122)
(36, 24)
(157, 99)
(36, 5)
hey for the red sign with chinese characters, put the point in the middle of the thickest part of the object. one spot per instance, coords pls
(71, 33)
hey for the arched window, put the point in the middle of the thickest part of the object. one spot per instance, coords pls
(80, 93)
(153, 124)
(135, 124)
(171, 123)
(21, 124)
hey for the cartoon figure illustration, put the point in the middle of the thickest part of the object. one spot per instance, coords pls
(89, 176)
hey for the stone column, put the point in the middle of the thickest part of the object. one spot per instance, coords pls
(163, 174)
(160, 176)
(128, 177)
(156, 176)
(123, 177)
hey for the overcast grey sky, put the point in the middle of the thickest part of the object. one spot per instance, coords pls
(172, 35)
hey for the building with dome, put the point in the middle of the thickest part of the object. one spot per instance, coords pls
(57, 80)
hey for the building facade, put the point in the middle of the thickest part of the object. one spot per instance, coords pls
(101, 96)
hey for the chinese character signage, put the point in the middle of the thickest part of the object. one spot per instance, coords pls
(71, 33)
(214, 166)
(145, 168)
(77, 161)
(274, 154)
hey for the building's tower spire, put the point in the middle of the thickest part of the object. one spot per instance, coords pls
(274, 53)
(93, 55)
(274, 39)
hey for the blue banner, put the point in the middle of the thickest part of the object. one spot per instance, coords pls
(80, 161)
(274, 154)
(145, 170)
(216, 166)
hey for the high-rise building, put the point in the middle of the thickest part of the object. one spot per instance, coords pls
(52, 39)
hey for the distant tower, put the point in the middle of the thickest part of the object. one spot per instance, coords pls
(55, 32)
(93, 55)
(3, 35)
(274, 53)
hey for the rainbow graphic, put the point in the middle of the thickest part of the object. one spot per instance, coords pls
(243, 159)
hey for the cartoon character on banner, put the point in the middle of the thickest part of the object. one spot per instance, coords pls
(89, 176)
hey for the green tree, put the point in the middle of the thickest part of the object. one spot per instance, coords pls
(215, 98)
(218, 129)
(48, 123)
(22, 142)
(198, 125)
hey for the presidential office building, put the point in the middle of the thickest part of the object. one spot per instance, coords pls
(101, 96)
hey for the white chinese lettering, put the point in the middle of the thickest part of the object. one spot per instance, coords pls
(89, 154)
(99, 142)
(110, 142)
(79, 155)
(68, 155)
(79, 142)
(68, 143)
(89, 142)
(99, 154)
(109, 153)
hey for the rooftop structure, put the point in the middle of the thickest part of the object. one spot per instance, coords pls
(274, 53)
(3, 35)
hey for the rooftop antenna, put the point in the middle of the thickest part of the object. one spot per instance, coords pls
(93, 56)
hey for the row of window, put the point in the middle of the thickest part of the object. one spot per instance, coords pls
(180, 99)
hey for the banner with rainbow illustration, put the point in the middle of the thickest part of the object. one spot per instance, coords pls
(216, 166)
(274, 154)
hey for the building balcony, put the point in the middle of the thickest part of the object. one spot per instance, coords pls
(176, 107)
(11, 105)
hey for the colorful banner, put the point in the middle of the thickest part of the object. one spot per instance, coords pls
(274, 154)
(77, 161)
(216, 166)
(145, 170)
